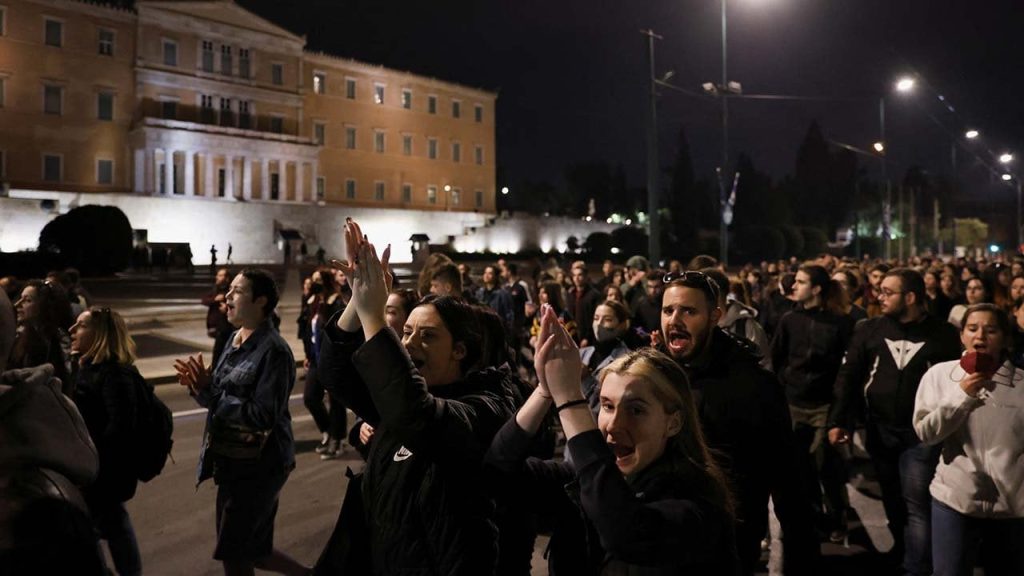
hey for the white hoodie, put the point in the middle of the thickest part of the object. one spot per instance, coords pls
(981, 471)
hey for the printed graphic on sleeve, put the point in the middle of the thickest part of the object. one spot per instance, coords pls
(903, 351)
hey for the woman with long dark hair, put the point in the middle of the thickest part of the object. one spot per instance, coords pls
(107, 390)
(427, 506)
(643, 493)
(43, 313)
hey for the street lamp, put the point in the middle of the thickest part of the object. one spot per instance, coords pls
(971, 134)
(1006, 158)
(879, 147)
(504, 190)
(905, 84)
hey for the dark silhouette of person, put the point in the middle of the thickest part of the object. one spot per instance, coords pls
(213, 258)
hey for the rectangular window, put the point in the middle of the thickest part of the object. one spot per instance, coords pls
(275, 186)
(169, 109)
(456, 196)
(170, 53)
(478, 113)
(222, 182)
(53, 100)
(321, 187)
(378, 191)
(244, 63)
(244, 114)
(104, 171)
(431, 104)
(350, 88)
(479, 198)
(3, 92)
(54, 33)
(106, 42)
(350, 137)
(207, 62)
(432, 148)
(350, 189)
(52, 169)
(407, 145)
(378, 142)
(407, 99)
(227, 116)
(105, 106)
(3, 20)
(378, 93)
(277, 124)
(319, 83)
(319, 133)
(456, 109)
(277, 74)
(456, 152)
(431, 194)
(478, 154)
(3, 153)
(226, 64)
(407, 193)
(206, 113)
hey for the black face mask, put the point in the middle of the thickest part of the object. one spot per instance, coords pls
(316, 288)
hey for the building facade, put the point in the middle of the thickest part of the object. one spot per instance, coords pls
(203, 101)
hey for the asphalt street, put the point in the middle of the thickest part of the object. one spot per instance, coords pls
(174, 519)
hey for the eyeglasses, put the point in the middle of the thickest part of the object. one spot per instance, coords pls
(694, 279)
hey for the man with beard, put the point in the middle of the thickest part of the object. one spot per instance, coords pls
(217, 325)
(886, 359)
(745, 418)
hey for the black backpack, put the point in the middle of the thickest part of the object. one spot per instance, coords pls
(153, 432)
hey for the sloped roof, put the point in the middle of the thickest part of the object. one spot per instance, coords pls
(225, 12)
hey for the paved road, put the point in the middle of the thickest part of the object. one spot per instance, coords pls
(174, 520)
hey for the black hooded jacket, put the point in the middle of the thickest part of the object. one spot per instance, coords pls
(428, 509)
(745, 419)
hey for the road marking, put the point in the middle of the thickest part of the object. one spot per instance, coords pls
(196, 411)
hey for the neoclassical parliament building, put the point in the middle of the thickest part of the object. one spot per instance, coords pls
(208, 124)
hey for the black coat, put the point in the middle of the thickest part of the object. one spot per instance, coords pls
(807, 349)
(652, 525)
(745, 419)
(107, 396)
(428, 509)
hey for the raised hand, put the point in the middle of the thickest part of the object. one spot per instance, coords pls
(369, 290)
(558, 358)
(193, 373)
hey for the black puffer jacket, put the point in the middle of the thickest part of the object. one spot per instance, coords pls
(107, 396)
(745, 418)
(807, 349)
(428, 509)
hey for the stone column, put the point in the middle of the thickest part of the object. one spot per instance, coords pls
(282, 180)
(190, 172)
(139, 180)
(246, 177)
(209, 172)
(229, 176)
(300, 181)
(264, 179)
(169, 171)
(154, 172)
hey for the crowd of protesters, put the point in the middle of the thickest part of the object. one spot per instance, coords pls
(692, 400)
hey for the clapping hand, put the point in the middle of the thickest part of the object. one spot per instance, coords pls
(557, 362)
(367, 277)
(193, 373)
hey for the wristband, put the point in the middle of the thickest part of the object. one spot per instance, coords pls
(570, 404)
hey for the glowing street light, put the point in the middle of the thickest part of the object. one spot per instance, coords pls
(504, 190)
(905, 84)
(971, 134)
(1007, 177)
(879, 147)
(1006, 158)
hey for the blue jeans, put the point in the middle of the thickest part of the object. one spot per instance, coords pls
(115, 527)
(956, 538)
(905, 469)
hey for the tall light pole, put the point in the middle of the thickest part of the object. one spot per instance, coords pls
(723, 198)
(1006, 158)
(880, 147)
(653, 223)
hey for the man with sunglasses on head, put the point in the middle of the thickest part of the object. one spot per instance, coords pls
(884, 363)
(745, 418)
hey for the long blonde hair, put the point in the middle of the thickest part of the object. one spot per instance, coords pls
(112, 341)
(687, 449)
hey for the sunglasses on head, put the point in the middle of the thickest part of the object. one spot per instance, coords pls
(694, 279)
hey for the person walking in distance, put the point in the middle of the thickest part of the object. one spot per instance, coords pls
(213, 258)
(248, 447)
(884, 363)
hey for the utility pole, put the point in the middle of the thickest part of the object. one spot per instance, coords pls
(887, 205)
(723, 229)
(653, 223)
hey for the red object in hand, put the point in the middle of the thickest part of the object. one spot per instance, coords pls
(979, 362)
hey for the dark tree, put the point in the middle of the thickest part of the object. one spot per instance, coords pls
(95, 239)
(812, 181)
(682, 203)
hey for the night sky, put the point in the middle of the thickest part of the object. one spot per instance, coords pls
(572, 74)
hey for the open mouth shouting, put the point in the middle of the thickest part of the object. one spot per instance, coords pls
(624, 454)
(678, 341)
